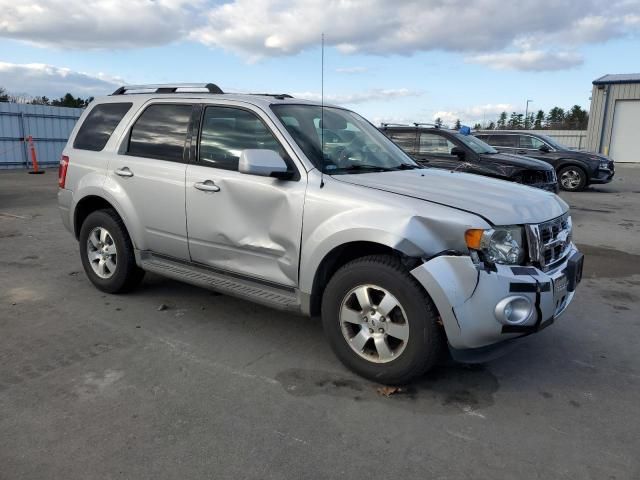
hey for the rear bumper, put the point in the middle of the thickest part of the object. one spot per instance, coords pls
(65, 200)
(467, 298)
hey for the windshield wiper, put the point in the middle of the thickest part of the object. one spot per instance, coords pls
(358, 168)
(407, 166)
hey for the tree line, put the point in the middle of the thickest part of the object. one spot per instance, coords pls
(575, 118)
(68, 100)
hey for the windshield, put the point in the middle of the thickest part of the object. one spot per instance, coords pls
(475, 144)
(552, 142)
(339, 141)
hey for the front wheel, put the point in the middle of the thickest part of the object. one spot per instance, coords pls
(572, 178)
(380, 322)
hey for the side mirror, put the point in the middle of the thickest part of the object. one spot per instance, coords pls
(262, 162)
(544, 148)
(458, 152)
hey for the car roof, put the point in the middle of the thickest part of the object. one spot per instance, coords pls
(259, 100)
(411, 128)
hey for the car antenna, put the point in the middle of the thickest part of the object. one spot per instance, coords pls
(322, 112)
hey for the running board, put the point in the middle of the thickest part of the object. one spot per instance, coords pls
(281, 298)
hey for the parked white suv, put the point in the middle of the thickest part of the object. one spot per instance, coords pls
(311, 209)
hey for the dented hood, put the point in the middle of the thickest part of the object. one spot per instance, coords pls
(498, 201)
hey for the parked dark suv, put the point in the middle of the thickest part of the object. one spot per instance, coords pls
(576, 169)
(444, 148)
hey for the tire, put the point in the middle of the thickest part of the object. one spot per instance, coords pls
(572, 178)
(415, 318)
(110, 270)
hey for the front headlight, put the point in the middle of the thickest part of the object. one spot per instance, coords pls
(604, 164)
(501, 245)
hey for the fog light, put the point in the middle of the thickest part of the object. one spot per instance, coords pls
(514, 310)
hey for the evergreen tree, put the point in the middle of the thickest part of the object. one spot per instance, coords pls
(539, 120)
(458, 124)
(438, 122)
(502, 120)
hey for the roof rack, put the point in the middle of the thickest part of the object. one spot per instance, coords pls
(279, 96)
(428, 124)
(394, 124)
(169, 88)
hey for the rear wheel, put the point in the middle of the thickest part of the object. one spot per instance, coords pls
(572, 178)
(107, 254)
(380, 322)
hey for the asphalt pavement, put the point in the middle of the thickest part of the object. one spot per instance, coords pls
(102, 386)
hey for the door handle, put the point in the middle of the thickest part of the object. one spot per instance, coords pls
(521, 152)
(207, 186)
(124, 172)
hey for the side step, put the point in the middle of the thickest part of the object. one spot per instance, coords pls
(202, 276)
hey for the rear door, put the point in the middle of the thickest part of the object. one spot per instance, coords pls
(245, 225)
(148, 177)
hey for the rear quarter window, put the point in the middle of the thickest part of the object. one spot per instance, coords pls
(102, 120)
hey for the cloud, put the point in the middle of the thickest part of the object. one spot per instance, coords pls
(475, 114)
(529, 60)
(37, 79)
(91, 24)
(352, 70)
(263, 28)
(361, 97)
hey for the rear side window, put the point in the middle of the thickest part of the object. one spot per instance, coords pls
(102, 120)
(227, 131)
(531, 143)
(160, 132)
(405, 140)
(503, 141)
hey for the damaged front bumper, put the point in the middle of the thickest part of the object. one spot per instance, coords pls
(472, 300)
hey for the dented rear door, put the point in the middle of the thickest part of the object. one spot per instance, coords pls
(246, 225)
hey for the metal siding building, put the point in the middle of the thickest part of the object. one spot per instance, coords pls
(614, 117)
(49, 126)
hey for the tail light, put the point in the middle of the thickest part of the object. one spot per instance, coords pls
(62, 171)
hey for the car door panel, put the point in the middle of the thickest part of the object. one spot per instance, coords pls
(137, 180)
(248, 225)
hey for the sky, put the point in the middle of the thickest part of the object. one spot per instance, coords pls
(403, 61)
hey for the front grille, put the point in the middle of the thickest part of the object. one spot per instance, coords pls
(550, 242)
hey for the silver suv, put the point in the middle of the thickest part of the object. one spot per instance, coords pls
(310, 209)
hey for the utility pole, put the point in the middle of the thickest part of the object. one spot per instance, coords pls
(526, 115)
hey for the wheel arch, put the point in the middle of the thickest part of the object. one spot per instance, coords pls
(89, 204)
(341, 255)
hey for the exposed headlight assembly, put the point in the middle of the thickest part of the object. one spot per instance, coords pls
(501, 245)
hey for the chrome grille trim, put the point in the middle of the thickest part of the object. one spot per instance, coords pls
(549, 242)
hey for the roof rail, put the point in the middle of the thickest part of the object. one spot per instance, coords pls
(279, 96)
(394, 124)
(428, 124)
(169, 88)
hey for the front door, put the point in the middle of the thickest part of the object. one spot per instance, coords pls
(246, 225)
(435, 150)
(147, 177)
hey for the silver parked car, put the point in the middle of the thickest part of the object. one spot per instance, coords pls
(311, 209)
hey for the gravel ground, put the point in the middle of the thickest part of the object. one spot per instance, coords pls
(101, 386)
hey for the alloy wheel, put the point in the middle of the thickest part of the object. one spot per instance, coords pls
(102, 252)
(374, 323)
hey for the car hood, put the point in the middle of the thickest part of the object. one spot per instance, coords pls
(516, 161)
(497, 201)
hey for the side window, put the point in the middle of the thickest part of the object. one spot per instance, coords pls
(431, 143)
(503, 141)
(160, 132)
(227, 131)
(405, 140)
(95, 131)
(531, 143)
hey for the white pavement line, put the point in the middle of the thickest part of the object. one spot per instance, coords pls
(2, 214)
(180, 348)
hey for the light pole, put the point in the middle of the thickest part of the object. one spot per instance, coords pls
(526, 114)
